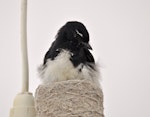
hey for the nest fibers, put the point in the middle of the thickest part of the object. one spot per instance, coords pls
(72, 98)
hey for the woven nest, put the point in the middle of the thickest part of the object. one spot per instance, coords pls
(74, 98)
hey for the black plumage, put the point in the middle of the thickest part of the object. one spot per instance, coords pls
(73, 37)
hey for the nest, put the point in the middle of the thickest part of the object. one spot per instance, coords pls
(72, 98)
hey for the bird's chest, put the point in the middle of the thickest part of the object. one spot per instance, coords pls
(61, 68)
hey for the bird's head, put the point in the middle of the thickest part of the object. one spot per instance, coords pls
(74, 31)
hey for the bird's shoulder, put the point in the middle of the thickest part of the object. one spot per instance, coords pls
(56, 48)
(50, 54)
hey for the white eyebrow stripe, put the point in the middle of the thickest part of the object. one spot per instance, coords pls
(79, 33)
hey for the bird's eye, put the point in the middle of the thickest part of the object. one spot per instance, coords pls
(78, 33)
(71, 54)
(58, 50)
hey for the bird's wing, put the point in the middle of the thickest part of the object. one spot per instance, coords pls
(50, 54)
(89, 56)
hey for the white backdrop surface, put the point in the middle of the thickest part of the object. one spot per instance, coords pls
(120, 36)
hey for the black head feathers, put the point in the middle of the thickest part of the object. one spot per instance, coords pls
(73, 30)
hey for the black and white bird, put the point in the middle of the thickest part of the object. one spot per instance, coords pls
(69, 57)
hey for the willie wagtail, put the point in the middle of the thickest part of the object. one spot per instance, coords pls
(69, 57)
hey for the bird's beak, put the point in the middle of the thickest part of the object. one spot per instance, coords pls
(87, 45)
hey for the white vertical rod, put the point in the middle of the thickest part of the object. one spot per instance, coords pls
(23, 105)
(23, 36)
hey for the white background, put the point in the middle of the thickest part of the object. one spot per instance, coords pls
(120, 36)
